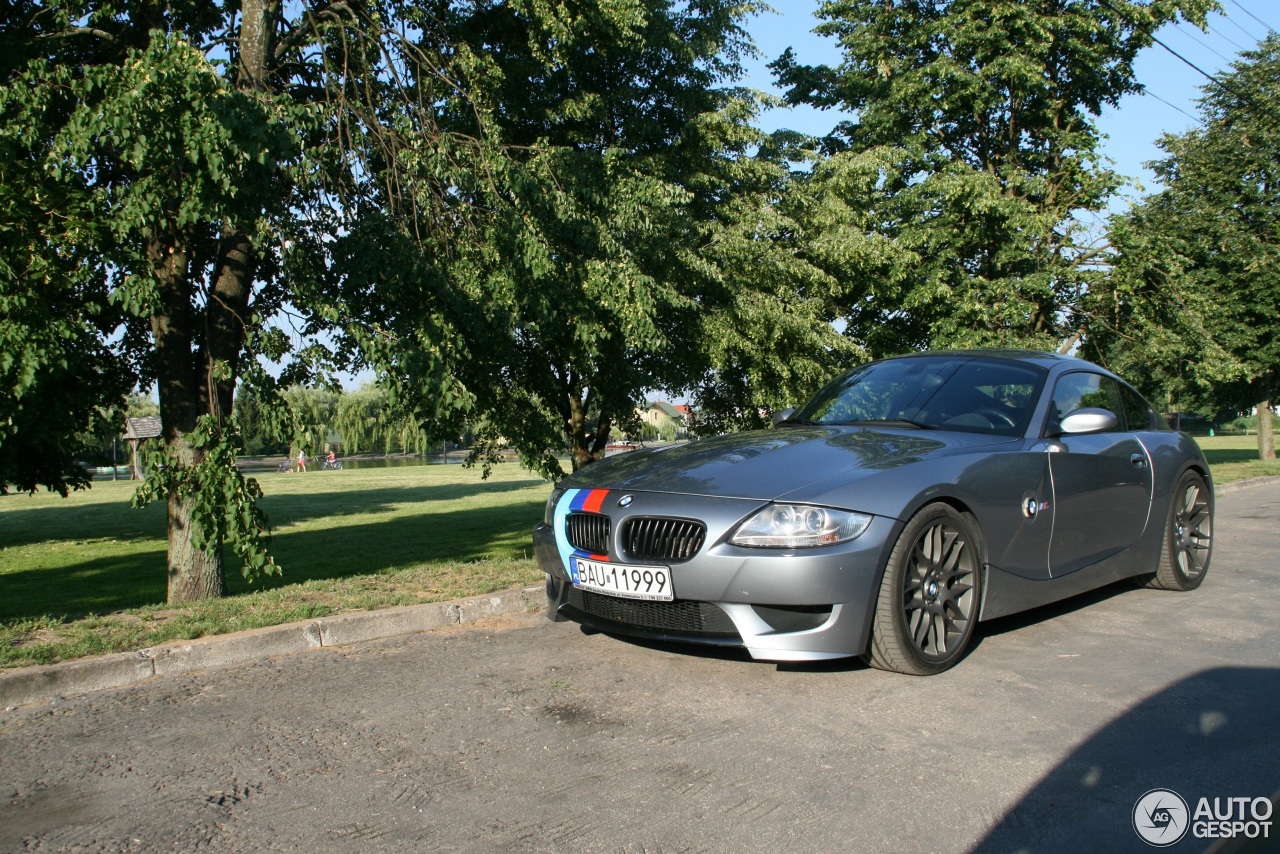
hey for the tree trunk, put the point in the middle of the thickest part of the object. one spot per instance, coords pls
(197, 368)
(226, 319)
(585, 447)
(1266, 436)
(193, 574)
(257, 42)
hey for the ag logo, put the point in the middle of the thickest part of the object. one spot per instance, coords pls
(1161, 818)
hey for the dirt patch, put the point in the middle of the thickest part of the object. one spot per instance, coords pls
(497, 623)
(38, 638)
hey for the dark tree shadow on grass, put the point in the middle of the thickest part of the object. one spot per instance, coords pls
(91, 587)
(1221, 456)
(117, 520)
(139, 580)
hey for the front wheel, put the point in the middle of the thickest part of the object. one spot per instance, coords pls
(1188, 536)
(928, 603)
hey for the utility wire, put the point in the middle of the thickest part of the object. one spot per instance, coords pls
(1226, 38)
(1195, 119)
(1204, 44)
(1203, 73)
(1270, 29)
(1245, 97)
(1233, 22)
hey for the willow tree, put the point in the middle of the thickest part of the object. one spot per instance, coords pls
(950, 203)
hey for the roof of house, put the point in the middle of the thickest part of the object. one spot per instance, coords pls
(667, 409)
(146, 427)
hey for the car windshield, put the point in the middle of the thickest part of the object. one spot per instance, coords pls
(973, 395)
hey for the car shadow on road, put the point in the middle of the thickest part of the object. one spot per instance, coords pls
(1045, 613)
(1210, 735)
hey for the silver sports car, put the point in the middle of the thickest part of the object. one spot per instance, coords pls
(909, 499)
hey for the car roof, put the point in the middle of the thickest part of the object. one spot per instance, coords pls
(1037, 357)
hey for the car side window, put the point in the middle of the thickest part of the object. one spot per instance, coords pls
(1081, 390)
(1139, 413)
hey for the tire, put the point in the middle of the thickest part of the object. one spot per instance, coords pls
(927, 607)
(1188, 536)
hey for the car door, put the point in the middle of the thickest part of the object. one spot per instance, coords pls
(1101, 482)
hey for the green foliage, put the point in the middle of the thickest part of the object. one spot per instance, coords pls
(628, 244)
(57, 376)
(222, 501)
(948, 205)
(1196, 288)
(520, 216)
(140, 160)
(165, 165)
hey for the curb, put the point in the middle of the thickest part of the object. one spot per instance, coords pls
(1237, 485)
(45, 683)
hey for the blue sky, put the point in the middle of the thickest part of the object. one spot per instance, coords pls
(1132, 129)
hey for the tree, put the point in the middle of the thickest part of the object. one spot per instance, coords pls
(174, 160)
(511, 209)
(949, 202)
(57, 378)
(1198, 266)
(636, 252)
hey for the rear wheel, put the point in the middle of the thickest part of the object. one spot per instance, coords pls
(1188, 536)
(928, 602)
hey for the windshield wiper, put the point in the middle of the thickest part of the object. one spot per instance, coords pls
(797, 422)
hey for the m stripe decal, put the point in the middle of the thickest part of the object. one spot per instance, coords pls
(590, 500)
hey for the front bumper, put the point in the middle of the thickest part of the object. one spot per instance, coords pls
(804, 605)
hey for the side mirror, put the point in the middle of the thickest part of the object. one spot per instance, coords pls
(783, 415)
(1088, 420)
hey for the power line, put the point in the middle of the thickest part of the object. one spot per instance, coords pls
(1270, 29)
(1206, 75)
(1195, 119)
(1220, 34)
(1233, 22)
(1220, 82)
(1205, 44)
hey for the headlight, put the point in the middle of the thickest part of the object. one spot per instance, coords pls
(549, 514)
(799, 526)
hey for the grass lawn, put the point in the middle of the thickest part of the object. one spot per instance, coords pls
(1235, 458)
(85, 575)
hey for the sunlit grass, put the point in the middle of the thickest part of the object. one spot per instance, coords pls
(86, 574)
(1234, 458)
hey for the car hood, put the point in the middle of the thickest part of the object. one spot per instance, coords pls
(769, 464)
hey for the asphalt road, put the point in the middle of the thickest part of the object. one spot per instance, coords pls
(523, 735)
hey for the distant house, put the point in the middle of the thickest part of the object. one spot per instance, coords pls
(669, 419)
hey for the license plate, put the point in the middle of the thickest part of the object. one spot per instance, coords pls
(651, 583)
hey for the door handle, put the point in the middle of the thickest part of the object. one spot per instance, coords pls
(1138, 460)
